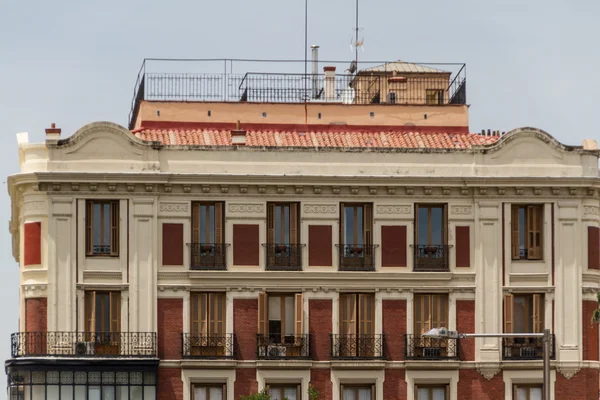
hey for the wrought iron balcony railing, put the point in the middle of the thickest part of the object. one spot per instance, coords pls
(208, 256)
(526, 348)
(358, 347)
(275, 347)
(357, 257)
(80, 344)
(208, 346)
(284, 257)
(417, 347)
(431, 258)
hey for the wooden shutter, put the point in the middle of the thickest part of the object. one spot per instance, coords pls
(115, 312)
(294, 226)
(89, 237)
(538, 313)
(439, 311)
(202, 304)
(419, 318)
(366, 314)
(90, 312)
(195, 222)
(508, 313)
(514, 228)
(368, 226)
(347, 310)
(445, 223)
(534, 231)
(114, 228)
(271, 224)
(298, 314)
(216, 314)
(194, 314)
(373, 392)
(263, 316)
(218, 238)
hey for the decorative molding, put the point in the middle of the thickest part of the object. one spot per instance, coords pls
(109, 275)
(130, 187)
(464, 191)
(354, 189)
(391, 190)
(410, 191)
(461, 210)
(75, 186)
(205, 188)
(32, 207)
(428, 191)
(317, 189)
(446, 191)
(174, 207)
(555, 191)
(243, 188)
(246, 208)
(394, 209)
(519, 191)
(488, 372)
(168, 188)
(56, 187)
(501, 191)
(373, 190)
(280, 189)
(336, 189)
(537, 191)
(482, 191)
(528, 277)
(568, 371)
(591, 192)
(320, 209)
(262, 189)
(299, 189)
(187, 188)
(573, 191)
(591, 210)
(224, 189)
(149, 187)
(112, 187)
(35, 290)
(93, 187)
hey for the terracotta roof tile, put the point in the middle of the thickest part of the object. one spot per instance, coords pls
(296, 138)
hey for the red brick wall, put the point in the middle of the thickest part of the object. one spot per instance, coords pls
(582, 386)
(245, 382)
(320, 327)
(320, 379)
(170, 385)
(246, 244)
(33, 243)
(473, 386)
(36, 315)
(394, 386)
(394, 328)
(393, 246)
(172, 244)
(170, 327)
(590, 332)
(319, 245)
(593, 247)
(465, 322)
(463, 247)
(245, 327)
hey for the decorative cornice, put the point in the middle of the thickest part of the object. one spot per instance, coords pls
(568, 371)
(35, 290)
(488, 371)
(405, 209)
(246, 208)
(174, 207)
(319, 208)
(110, 275)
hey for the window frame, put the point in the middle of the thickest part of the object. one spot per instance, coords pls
(538, 309)
(527, 386)
(205, 305)
(263, 314)
(431, 387)
(294, 223)
(218, 233)
(367, 224)
(434, 101)
(427, 323)
(430, 207)
(208, 386)
(353, 314)
(90, 313)
(114, 226)
(282, 386)
(356, 387)
(534, 231)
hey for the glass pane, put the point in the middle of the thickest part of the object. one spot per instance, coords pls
(108, 393)
(349, 393)
(437, 226)
(290, 393)
(216, 393)
(97, 227)
(286, 225)
(521, 394)
(94, 393)
(423, 227)
(203, 238)
(274, 315)
(52, 393)
(66, 392)
(523, 314)
(274, 393)
(149, 393)
(522, 229)
(364, 393)
(535, 393)
(211, 228)
(278, 227)
(106, 227)
(123, 393)
(80, 391)
(438, 393)
(135, 393)
(289, 315)
(349, 225)
(358, 239)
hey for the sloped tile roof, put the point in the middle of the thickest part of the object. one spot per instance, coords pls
(294, 138)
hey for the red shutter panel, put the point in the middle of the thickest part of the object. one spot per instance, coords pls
(245, 245)
(393, 246)
(319, 245)
(172, 244)
(593, 247)
(463, 247)
(33, 243)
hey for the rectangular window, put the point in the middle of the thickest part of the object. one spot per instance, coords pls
(207, 314)
(357, 314)
(102, 228)
(527, 222)
(431, 392)
(524, 313)
(356, 225)
(102, 312)
(527, 392)
(430, 311)
(284, 392)
(358, 392)
(209, 392)
(207, 223)
(431, 224)
(434, 96)
(282, 221)
(280, 316)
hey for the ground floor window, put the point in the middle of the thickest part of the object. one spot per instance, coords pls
(76, 385)
(287, 392)
(527, 392)
(209, 392)
(358, 392)
(432, 392)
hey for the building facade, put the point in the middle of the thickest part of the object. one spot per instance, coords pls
(218, 247)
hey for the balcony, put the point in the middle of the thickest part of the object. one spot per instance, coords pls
(526, 348)
(208, 256)
(356, 257)
(208, 346)
(284, 257)
(357, 347)
(79, 344)
(293, 347)
(417, 347)
(431, 258)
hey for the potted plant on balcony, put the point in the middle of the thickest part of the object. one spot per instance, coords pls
(206, 248)
(280, 248)
(356, 251)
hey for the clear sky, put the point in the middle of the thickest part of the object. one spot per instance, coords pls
(529, 62)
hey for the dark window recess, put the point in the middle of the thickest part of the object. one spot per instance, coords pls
(102, 228)
(431, 251)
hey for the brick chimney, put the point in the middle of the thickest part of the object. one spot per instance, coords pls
(329, 85)
(53, 133)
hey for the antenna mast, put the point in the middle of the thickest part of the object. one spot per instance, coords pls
(356, 42)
